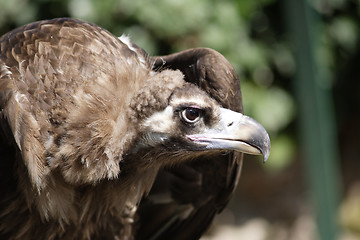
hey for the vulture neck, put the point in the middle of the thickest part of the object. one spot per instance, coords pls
(90, 166)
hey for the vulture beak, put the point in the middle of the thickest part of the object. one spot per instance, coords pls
(235, 131)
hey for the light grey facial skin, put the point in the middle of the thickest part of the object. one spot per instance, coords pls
(235, 131)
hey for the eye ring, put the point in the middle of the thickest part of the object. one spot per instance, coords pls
(191, 114)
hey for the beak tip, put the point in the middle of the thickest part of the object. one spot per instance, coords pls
(266, 148)
(266, 156)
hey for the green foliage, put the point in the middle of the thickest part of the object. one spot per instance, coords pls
(282, 147)
(17, 11)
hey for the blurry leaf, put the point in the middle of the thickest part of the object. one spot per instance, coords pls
(263, 76)
(327, 6)
(282, 153)
(272, 107)
(344, 32)
(259, 22)
(82, 9)
(128, 7)
(250, 54)
(246, 8)
(170, 18)
(283, 59)
(350, 209)
(19, 11)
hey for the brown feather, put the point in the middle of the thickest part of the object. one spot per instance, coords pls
(74, 101)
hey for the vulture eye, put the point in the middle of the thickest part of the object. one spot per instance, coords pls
(191, 114)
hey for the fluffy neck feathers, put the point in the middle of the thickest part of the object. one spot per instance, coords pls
(99, 132)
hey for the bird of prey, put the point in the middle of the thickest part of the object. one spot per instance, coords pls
(99, 140)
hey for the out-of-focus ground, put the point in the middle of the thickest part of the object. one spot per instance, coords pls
(276, 206)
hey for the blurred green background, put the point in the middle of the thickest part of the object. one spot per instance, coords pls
(263, 41)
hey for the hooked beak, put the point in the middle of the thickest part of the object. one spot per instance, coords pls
(235, 131)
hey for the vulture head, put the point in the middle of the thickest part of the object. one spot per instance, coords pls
(192, 124)
(101, 141)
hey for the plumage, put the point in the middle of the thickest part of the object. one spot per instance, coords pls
(101, 141)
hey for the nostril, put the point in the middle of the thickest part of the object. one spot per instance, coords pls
(230, 124)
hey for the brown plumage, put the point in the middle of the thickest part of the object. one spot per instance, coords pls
(101, 141)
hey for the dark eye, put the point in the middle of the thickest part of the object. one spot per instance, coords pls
(190, 114)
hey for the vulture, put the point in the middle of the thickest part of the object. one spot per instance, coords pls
(99, 140)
